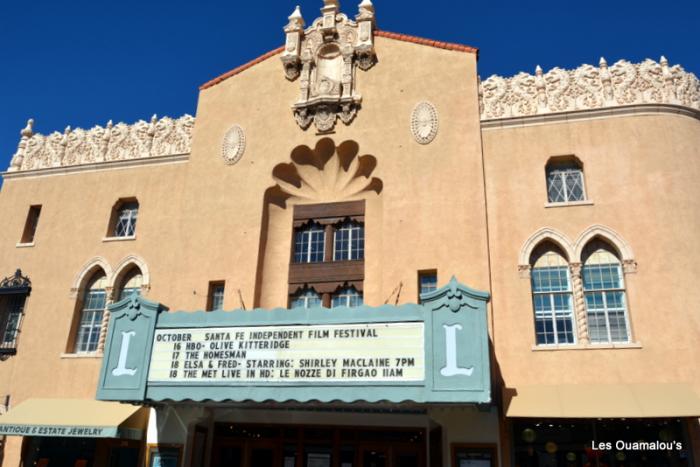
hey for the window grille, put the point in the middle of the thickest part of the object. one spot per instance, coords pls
(216, 296)
(14, 308)
(131, 285)
(427, 281)
(94, 302)
(308, 298)
(347, 296)
(349, 241)
(552, 300)
(604, 290)
(565, 183)
(14, 290)
(309, 244)
(127, 215)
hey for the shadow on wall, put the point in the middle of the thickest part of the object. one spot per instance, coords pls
(325, 174)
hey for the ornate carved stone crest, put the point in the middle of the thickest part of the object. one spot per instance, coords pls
(424, 122)
(234, 145)
(325, 56)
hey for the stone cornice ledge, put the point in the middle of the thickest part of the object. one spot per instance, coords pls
(590, 114)
(97, 166)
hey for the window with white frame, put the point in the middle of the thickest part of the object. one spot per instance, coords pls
(306, 298)
(604, 291)
(552, 297)
(349, 241)
(309, 243)
(131, 284)
(91, 314)
(215, 300)
(347, 296)
(565, 181)
(125, 220)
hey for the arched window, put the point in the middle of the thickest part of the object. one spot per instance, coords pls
(306, 298)
(604, 290)
(131, 283)
(551, 296)
(349, 241)
(347, 296)
(309, 243)
(91, 314)
(565, 180)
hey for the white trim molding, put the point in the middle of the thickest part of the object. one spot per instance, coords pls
(613, 238)
(543, 234)
(87, 270)
(125, 265)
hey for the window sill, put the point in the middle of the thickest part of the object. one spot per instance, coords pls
(618, 345)
(82, 355)
(119, 239)
(564, 204)
(25, 245)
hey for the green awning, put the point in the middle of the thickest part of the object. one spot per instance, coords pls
(74, 418)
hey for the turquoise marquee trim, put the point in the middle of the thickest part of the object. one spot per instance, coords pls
(456, 344)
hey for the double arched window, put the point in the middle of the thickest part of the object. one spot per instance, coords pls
(95, 288)
(578, 290)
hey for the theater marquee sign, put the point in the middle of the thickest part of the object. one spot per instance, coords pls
(434, 352)
(262, 354)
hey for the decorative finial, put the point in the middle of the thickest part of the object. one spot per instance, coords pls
(538, 70)
(663, 60)
(602, 62)
(110, 124)
(28, 131)
(366, 10)
(296, 14)
(154, 118)
(67, 130)
(296, 20)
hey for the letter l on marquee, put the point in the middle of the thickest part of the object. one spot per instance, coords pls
(451, 368)
(121, 369)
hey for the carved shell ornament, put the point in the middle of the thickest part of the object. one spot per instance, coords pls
(234, 145)
(424, 122)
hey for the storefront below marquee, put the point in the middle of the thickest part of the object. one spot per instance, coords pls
(653, 442)
(80, 452)
(319, 435)
(77, 432)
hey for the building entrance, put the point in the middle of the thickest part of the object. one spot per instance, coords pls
(316, 446)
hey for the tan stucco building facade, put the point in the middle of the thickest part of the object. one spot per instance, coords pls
(570, 197)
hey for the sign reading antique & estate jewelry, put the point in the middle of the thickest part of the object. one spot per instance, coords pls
(316, 353)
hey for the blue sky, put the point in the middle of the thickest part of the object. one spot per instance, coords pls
(82, 63)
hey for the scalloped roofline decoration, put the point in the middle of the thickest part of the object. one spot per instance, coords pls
(587, 88)
(121, 142)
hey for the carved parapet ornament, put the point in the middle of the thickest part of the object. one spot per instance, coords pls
(325, 57)
(588, 87)
(158, 137)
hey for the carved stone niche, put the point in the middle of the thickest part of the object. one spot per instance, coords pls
(326, 56)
